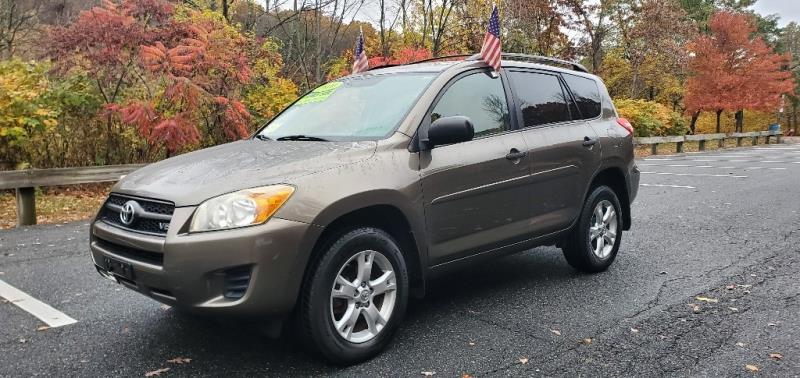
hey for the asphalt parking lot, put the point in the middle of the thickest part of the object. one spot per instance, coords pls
(707, 283)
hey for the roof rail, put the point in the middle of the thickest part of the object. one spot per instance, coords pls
(465, 56)
(538, 59)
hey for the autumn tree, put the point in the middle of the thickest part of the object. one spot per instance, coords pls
(104, 43)
(17, 24)
(203, 75)
(653, 35)
(537, 27)
(790, 44)
(734, 70)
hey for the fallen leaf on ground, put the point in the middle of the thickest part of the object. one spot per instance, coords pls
(634, 330)
(772, 325)
(695, 307)
(471, 343)
(734, 309)
(556, 332)
(465, 375)
(740, 344)
(585, 341)
(730, 287)
(707, 299)
(751, 368)
(523, 360)
(156, 372)
(126, 330)
(42, 328)
(180, 360)
(23, 341)
(776, 356)
(428, 373)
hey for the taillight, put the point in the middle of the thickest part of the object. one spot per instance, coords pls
(625, 124)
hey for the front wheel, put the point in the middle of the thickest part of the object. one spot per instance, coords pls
(355, 296)
(593, 244)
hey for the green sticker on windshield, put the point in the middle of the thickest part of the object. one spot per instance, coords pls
(320, 94)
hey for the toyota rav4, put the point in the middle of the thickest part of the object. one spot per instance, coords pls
(351, 199)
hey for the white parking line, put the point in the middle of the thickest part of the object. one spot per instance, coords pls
(41, 310)
(709, 166)
(730, 161)
(668, 186)
(691, 174)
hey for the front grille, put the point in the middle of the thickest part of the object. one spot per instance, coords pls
(236, 282)
(152, 258)
(151, 216)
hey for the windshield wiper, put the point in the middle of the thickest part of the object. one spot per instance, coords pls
(262, 137)
(303, 137)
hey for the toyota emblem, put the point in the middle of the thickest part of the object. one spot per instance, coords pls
(128, 213)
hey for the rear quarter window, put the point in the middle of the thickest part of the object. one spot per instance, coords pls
(587, 95)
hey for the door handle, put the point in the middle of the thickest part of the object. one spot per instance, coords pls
(515, 154)
(588, 142)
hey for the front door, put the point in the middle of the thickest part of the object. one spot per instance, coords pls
(476, 196)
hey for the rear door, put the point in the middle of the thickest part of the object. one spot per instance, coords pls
(563, 147)
(475, 193)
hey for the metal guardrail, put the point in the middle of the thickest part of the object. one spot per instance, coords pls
(702, 139)
(25, 181)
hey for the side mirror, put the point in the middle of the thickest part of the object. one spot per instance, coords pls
(449, 130)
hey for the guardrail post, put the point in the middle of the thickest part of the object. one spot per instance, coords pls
(766, 139)
(26, 206)
(755, 140)
(679, 147)
(701, 145)
(654, 148)
(778, 138)
(721, 143)
(738, 141)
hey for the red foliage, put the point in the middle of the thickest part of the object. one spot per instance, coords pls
(733, 70)
(404, 56)
(204, 70)
(202, 63)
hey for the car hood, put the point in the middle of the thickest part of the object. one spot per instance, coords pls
(192, 178)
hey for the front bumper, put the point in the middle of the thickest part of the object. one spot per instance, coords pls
(252, 271)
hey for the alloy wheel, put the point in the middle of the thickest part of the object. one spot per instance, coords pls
(603, 228)
(363, 296)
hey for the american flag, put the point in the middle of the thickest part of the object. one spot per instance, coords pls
(490, 52)
(360, 62)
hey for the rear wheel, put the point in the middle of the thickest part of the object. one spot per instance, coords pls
(593, 244)
(355, 296)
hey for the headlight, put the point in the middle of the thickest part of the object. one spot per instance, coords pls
(239, 209)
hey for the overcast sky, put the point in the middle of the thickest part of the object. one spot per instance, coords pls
(788, 10)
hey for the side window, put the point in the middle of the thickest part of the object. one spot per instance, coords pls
(587, 95)
(541, 97)
(479, 97)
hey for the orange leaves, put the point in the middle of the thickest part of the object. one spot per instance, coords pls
(733, 70)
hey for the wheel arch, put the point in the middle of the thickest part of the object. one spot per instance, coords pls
(387, 216)
(614, 178)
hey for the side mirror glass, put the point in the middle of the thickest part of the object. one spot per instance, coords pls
(450, 130)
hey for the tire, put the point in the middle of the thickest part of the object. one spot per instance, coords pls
(581, 247)
(338, 271)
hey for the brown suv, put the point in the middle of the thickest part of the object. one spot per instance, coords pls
(352, 198)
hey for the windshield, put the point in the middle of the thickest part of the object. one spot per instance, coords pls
(353, 108)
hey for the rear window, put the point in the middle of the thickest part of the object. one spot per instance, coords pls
(541, 97)
(587, 95)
